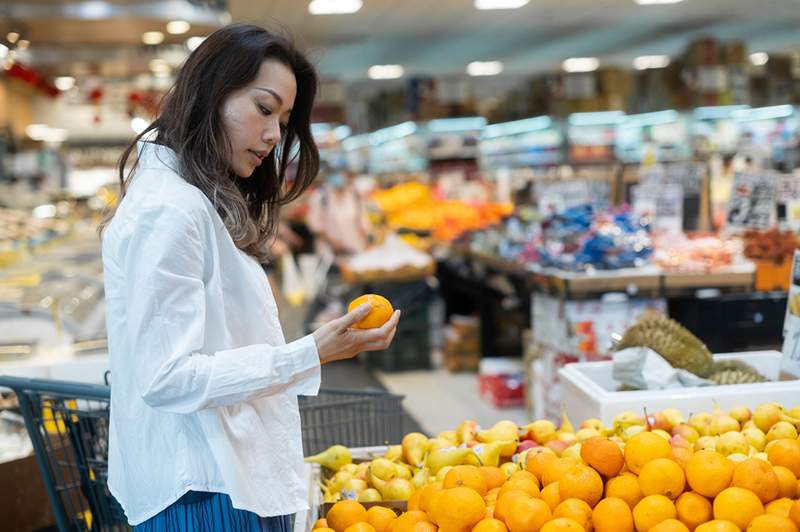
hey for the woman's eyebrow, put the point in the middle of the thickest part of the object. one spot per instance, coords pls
(272, 92)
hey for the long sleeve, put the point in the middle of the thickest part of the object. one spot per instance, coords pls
(164, 265)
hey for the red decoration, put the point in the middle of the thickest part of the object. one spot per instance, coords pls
(32, 78)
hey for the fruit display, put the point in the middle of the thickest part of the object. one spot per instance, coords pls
(680, 253)
(731, 470)
(771, 245)
(394, 259)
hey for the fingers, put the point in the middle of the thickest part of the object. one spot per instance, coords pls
(351, 318)
(380, 338)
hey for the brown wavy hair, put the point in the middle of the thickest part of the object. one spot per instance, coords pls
(190, 123)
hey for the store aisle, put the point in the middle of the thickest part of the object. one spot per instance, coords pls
(441, 400)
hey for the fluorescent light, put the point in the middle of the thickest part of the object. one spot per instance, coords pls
(516, 127)
(44, 211)
(484, 68)
(193, 42)
(717, 112)
(159, 66)
(581, 64)
(601, 118)
(138, 125)
(178, 27)
(334, 7)
(764, 113)
(645, 62)
(342, 132)
(12, 36)
(23, 44)
(651, 119)
(385, 71)
(759, 58)
(466, 123)
(3, 51)
(152, 37)
(657, 2)
(64, 83)
(500, 4)
(45, 133)
(392, 133)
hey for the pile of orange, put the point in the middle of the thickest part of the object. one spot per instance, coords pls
(613, 487)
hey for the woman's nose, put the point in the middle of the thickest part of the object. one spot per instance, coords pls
(272, 134)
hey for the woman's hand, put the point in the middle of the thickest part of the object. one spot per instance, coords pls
(337, 340)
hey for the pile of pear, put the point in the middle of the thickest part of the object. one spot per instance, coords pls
(419, 460)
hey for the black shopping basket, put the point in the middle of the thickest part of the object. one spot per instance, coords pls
(68, 426)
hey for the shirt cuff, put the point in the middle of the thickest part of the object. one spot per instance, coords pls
(305, 358)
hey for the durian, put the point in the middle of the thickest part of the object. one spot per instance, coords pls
(671, 340)
(734, 372)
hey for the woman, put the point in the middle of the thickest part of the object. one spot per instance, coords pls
(205, 429)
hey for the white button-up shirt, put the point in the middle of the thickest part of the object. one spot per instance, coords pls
(204, 393)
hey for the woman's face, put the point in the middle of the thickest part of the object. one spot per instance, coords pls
(255, 116)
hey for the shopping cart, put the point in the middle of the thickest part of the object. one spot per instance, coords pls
(68, 426)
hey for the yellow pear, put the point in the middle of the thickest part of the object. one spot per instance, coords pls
(732, 442)
(332, 457)
(337, 481)
(541, 430)
(383, 469)
(782, 430)
(361, 470)
(394, 453)
(349, 468)
(415, 445)
(586, 433)
(467, 431)
(449, 435)
(720, 424)
(397, 489)
(741, 414)
(756, 438)
(509, 468)
(566, 424)
(370, 495)
(434, 444)
(421, 477)
(451, 456)
(706, 443)
(573, 451)
(404, 471)
(701, 423)
(353, 487)
(505, 430)
(489, 453)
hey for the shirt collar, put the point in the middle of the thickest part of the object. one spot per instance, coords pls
(156, 156)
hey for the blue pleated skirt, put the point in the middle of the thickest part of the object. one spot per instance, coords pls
(212, 512)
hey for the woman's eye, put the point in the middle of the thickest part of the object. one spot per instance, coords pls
(264, 111)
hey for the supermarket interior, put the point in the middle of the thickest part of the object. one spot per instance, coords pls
(587, 212)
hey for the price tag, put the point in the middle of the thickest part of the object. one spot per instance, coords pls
(752, 203)
(663, 204)
(791, 325)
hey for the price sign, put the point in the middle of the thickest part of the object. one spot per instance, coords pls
(752, 203)
(663, 204)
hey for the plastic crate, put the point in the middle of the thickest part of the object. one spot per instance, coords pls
(411, 347)
(588, 390)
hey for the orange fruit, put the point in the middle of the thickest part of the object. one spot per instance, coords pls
(794, 513)
(550, 494)
(771, 523)
(537, 462)
(785, 453)
(345, 513)
(467, 476)
(669, 525)
(490, 525)
(612, 515)
(737, 505)
(757, 476)
(528, 485)
(787, 482)
(577, 510)
(581, 482)
(625, 487)
(526, 475)
(504, 502)
(427, 494)
(603, 455)
(381, 311)
(556, 468)
(361, 526)
(424, 526)
(780, 506)
(493, 476)
(491, 495)
(407, 522)
(459, 508)
(320, 523)
(324, 529)
(717, 525)
(381, 518)
(662, 476)
(708, 473)
(693, 509)
(643, 448)
(527, 515)
(652, 510)
(562, 524)
(681, 455)
(413, 501)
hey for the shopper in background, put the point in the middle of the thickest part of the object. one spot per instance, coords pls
(337, 215)
(205, 428)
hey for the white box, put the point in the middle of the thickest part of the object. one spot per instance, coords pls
(587, 390)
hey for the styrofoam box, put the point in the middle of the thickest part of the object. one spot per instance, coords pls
(587, 390)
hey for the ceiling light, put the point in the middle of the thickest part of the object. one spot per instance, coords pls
(385, 71)
(645, 62)
(12, 36)
(159, 66)
(23, 44)
(193, 42)
(759, 58)
(3, 51)
(64, 83)
(500, 4)
(581, 64)
(484, 68)
(138, 125)
(178, 27)
(656, 2)
(334, 7)
(152, 37)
